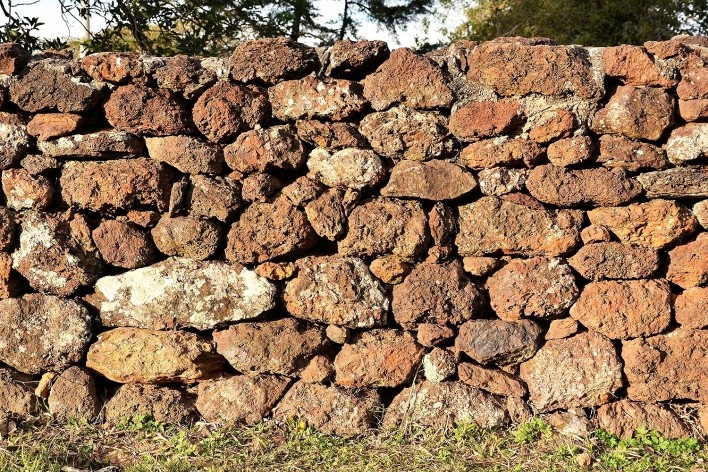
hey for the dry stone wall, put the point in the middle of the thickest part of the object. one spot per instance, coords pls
(358, 237)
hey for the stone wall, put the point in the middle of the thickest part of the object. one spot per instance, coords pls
(357, 237)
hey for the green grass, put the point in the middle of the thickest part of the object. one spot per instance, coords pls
(144, 445)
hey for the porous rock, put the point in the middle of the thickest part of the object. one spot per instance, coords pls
(491, 380)
(186, 236)
(319, 98)
(353, 168)
(501, 151)
(24, 191)
(123, 245)
(146, 111)
(636, 112)
(614, 260)
(499, 342)
(619, 151)
(186, 154)
(261, 150)
(271, 60)
(214, 197)
(73, 395)
(433, 180)
(688, 263)
(691, 308)
(625, 417)
(167, 405)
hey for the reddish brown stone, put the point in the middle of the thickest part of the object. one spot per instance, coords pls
(595, 234)
(499, 342)
(73, 396)
(554, 124)
(409, 79)
(436, 293)
(480, 266)
(431, 334)
(330, 410)
(570, 151)
(312, 97)
(433, 180)
(581, 371)
(302, 191)
(624, 417)
(655, 224)
(666, 367)
(9, 284)
(261, 150)
(146, 111)
(185, 75)
(115, 67)
(694, 84)
(265, 231)
(240, 398)
(259, 187)
(688, 263)
(490, 380)
(477, 120)
(378, 358)
(45, 126)
(501, 151)
(613, 260)
(13, 58)
(329, 136)
(282, 347)
(224, 110)
(187, 236)
(522, 69)
(618, 151)
(691, 308)
(679, 182)
(537, 287)
(165, 356)
(271, 60)
(16, 395)
(337, 290)
(350, 167)
(386, 226)
(24, 191)
(326, 215)
(14, 139)
(687, 143)
(43, 332)
(123, 245)
(319, 370)
(693, 110)
(633, 66)
(355, 59)
(390, 270)
(491, 225)
(167, 405)
(641, 113)
(276, 270)
(116, 185)
(624, 309)
(104, 144)
(563, 328)
(186, 154)
(214, 197)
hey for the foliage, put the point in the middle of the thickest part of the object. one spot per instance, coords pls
(22, 29)
(589, 22)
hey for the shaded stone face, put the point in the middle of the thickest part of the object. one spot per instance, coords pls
(166, 404)
(311, 97)
(499, 342)
(271, 60)
(145, 111)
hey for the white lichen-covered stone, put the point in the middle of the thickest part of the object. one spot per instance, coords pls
(104, 144)
(351, 167)
(182, 292)
(501, 180)
(439, 365)
(14, 139)
(687, 143)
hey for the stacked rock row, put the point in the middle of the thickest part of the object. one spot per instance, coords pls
(358, 237)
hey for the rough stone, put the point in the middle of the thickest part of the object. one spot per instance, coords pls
(45, 126)
(52, 257)
(261, 150)
(688, 263)
(319, 98)
(123, 245)
(553, 124)
(532, 288)
(691, 308)
(337, 334)
(442, 222)
(580, 371)
(16, 396)
(441, 405)
(666, 367)
(439, 365)
(563, 328)
(43, 332)
(330, 136)
(48, 85)
(501, 180)
(114, 67)
(73, 395)
(14, 139)
(214, 197)
(354, 59)
(679, 182)
(276, 270)
(7, 229)
(491, 380)
(436, 293)
(330, 410)
(24, 191)
(240, 398)
(326, 215)
(103, 144)
(302, 191)
(13, 58)
(259, 187)
(402, 132)
(10, 285)
(318, 370)
(434, 180)
(613, 260)
(282, 347)
(499, 342)
(409, 79)
(694, 84)
(576, 187)
(165, 404)
(687, 143)
(185, 75)
(523, 69)
(595, 234)
(501, 151)
(186, 154)
(225, 110)
(693, 110)
(641, 113)
(480, 266)
(477, 120)
(570, 151)
(491, 226)
(116, 185)
(634, 66)
(390, 270)
(624, 309)
(271, 60)
(146, 111)
(618, 151)
(180, 292)
(337, 290)
(624, 417)
(573, 422)
(430, 335)
(165, 356)
(266, 231)
(353, 168)
(655, 224)
(386, 226)
(187, 236)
